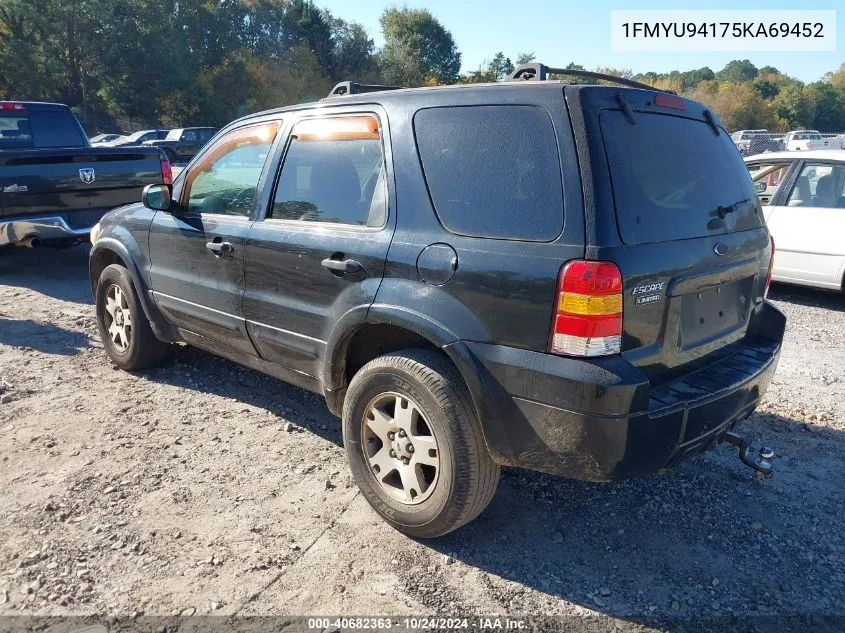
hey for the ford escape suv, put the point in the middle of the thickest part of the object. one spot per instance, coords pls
(566, 278)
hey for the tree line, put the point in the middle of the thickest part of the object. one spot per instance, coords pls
(206, 62)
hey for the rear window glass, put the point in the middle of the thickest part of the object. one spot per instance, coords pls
(492, 171)
(55, 128)
(15, 131)
(672, 179)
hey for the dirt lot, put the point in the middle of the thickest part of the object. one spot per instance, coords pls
(202, 487)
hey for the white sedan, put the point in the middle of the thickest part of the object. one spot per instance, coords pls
(803, 196)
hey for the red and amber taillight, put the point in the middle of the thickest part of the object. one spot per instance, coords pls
(588, 313)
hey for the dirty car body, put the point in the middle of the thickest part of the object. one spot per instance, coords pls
(604, 320)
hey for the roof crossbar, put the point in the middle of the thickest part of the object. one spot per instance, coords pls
(345, 88)
(541, 72)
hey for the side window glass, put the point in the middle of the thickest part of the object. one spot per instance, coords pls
(224, 180)
(333, 172)
(818, 185)
(767, 179)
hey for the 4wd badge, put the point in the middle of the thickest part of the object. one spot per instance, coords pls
(86, 175)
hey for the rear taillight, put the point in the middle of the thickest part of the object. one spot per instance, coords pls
(166, 172)
(771, 266)
(588, 314)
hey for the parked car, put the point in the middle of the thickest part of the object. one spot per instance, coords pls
(182, 144)
(563, 288)
(137, 138)
(103, 138)
(802, 140)
(742, 138)
(750, 142)
(53, 185)
(804, 198)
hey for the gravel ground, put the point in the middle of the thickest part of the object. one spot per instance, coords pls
(203, 487)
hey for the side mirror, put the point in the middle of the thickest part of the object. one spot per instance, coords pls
(760, 186)
(156, 197)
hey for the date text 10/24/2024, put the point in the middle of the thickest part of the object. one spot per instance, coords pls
(480, 623)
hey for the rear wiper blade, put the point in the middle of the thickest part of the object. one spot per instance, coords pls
(722, 212)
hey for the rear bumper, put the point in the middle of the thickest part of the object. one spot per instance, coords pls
(48, 227)
(600, 420)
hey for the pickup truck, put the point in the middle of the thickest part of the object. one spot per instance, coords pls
(801, 140)
(53, 185)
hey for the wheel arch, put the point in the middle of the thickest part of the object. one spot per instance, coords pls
(109, 251)
(361, 337)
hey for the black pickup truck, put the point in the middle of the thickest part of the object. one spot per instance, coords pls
(53, 185)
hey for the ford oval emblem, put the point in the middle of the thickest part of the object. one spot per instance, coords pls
(721, 249)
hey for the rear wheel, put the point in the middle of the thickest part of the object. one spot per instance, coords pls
(124, 329)
(414, 444)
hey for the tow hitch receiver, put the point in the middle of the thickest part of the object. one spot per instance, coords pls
(762, 466)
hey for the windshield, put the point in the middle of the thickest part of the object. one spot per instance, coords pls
(673, 178)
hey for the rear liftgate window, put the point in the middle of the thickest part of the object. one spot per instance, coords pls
(673, 179)
(492, 171)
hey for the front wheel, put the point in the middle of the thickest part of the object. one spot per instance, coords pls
(126, 334)
(414, 444)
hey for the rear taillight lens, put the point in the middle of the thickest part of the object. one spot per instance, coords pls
(771, 266)
(588, 313)
(166, 172)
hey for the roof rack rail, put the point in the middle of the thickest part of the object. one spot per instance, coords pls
(541, 72)
(345, 88)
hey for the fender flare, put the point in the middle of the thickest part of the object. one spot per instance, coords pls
(159, 325)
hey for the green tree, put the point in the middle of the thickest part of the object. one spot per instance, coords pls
(417, 49)
(738, 71)
(525, 58)
(830, 107)
(494, 70)
(796, 106)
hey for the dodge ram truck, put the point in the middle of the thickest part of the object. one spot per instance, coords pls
(53, 185)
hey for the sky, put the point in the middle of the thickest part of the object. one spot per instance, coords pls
(563, 31)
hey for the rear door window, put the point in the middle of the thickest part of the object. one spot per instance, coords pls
(819, 185)
(492, 171)
(673, 179)
(334, 171)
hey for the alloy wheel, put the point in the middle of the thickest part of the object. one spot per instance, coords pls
(400, 447)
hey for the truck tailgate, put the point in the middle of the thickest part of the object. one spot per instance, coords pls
(42, 181)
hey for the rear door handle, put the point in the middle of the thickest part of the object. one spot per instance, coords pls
(220, 248)
(346, 266)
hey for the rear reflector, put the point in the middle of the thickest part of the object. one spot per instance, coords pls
(166, 172)
(588, 315)
(12, 106)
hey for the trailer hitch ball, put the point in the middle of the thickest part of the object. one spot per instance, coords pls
(762, 467)
(764, 463)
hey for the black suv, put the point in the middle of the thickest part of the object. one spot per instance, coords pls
(566, 278)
